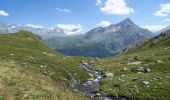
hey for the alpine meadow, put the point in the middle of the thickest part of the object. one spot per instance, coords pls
(85, 50)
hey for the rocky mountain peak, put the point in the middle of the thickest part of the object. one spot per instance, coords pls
(127, 21)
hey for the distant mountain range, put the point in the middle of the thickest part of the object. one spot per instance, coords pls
(98, 42)
(101, 42)
(164, 30)
(28, 66)
(43, 32)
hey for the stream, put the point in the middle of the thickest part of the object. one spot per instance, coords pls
(92, 85)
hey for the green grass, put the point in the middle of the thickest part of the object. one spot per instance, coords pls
(30, 70)
(27, 52)
(17, 83)
(122, 83)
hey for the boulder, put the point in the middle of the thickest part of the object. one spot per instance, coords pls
(159, 61)
(124, 69)
(167, 48)
(147, 70)
(91, 75)
(134, 63)
(143, 69)
(11, 54)
(145, 82)
(157, 78)
(134, 79)
(98, 94)
(109, 75)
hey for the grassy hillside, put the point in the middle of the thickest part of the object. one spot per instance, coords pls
(150, 83)
(30, 70)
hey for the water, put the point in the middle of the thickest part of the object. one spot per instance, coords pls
(88, 88)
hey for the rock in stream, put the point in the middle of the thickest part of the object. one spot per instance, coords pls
(90, 87)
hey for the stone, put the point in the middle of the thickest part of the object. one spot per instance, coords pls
(123, 75)
(90, 79)
(43, 66)
(98, 94)
(167, 48)
(145, 82)
(159, 61)
(157, 78)
(109, 75)
(124, 69)
(143, 69)
(147, 70)
(11, 54)
(91, 75)
(96, 80)
(89, 82)
(75, 90)
(119, 79)
(50, 54)
(134, 79)
(168, 77)
(140, 69)
(139, 72)
(134, 63)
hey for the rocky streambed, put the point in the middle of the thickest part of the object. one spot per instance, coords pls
(91, 87)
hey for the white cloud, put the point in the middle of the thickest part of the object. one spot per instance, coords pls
(3, 13)
(71, 29)
(167, 20)
(164, 10)
(65, 10)
(117, 7)
(154, 28)
(104, 24)
(98, 2)
(34, 26)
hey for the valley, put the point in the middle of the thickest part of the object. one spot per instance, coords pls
(85, 50)
(141, 72)
(35, 71)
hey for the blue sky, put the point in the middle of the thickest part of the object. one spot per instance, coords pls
(86, 14)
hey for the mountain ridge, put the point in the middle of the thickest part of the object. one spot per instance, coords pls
(104, 42)
(163, 30)
(41, 31)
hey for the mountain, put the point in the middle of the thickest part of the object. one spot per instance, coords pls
(141, 73)
(31, 70)
(102, 42)
(164, 30)
(43, 32)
